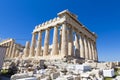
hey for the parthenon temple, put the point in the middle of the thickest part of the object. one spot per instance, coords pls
(70, 38)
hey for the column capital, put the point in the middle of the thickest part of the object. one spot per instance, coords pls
(87, 38)
(69, 25)
(57, 25)
(47, 29)
(39, 31)
(34, 33)
(65, 22)
(81, 34)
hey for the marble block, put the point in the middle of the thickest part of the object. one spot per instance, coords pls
(108, 73)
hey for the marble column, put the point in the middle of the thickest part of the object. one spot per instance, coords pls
(87, 44)
(60, 41)
(82, 48)
(77, 46)
(70, 41)
(95, 51)
(17, 53)
(11, 47)
(27, 49)
(55, 50)
(38, 52)
(20, 55)
(7, 50)
(13, 51)
(86, 48)
(64, 44)
(89, 48)
(46, 43)
(33, 44)
(5, 44)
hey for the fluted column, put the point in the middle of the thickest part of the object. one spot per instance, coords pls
(7, 51)
(55, 50)
(27, 49)
(13, 51)
(95, 52)
(20, 55)
(86, 48)
(33, 44)
(11, 47)
(60, 41)
(17, 53)
(5, 44)
(89, 48)
(91, 45)
(64, 44)
(38, 52)
(46, 43)
(82, 48)
(87, 44)
(70, 42)
(77, 46)
(91, 51)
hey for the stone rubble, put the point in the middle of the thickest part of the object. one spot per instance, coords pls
(61, 69)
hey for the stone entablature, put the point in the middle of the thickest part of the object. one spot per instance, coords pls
(6, 41)
(70, 19)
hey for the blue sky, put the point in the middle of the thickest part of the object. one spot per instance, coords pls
(19, 17)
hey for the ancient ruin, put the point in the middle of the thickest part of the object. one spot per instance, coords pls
(66, 28)
(13, 49)
(70, 38)
(71, 56)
